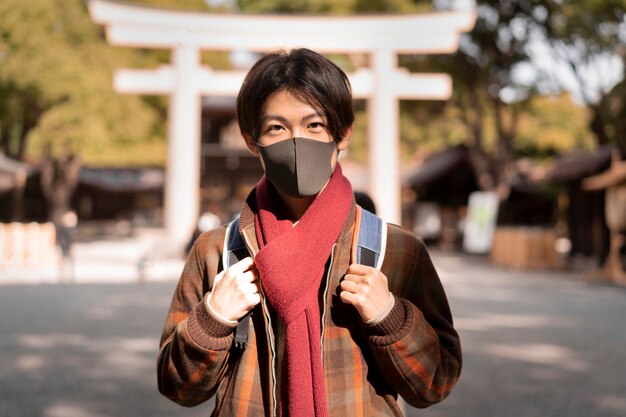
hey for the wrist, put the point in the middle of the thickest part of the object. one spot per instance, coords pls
(383, 313)
(207, 330)
(217, 315)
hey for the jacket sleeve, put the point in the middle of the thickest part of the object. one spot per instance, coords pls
(415, 346)
(194, 347)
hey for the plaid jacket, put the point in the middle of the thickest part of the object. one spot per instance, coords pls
(414, 351)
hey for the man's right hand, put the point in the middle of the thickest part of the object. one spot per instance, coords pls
(235, 290)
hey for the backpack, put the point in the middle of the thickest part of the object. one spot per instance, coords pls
(368, 248)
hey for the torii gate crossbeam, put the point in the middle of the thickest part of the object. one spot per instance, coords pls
(186, 33)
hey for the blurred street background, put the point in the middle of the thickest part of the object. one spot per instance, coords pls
(536, 344)
(494, 130)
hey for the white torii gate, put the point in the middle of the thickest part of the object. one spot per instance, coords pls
(185, 80)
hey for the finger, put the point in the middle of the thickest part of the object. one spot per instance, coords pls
(248, 288)
(253, 299)
(359, 269)
(349, 286)
(358, 279)
(218, 278)
(246, 277)
(240, 267)
(255, 273)
(348, 297)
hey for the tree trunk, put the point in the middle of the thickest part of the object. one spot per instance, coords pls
(4, 140)
(598, 123)
(59, 178)
(504, 161)
(480, 160)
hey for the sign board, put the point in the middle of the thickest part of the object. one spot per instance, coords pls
(482, 213)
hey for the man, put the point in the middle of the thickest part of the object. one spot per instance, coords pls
(327, 336)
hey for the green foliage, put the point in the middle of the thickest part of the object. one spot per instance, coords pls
(506, 118)
(581, 34)
(552, 125)
(332, 6)
(174, 5)
(56, 74)
(295, 6)
(594, 23)
(548, 125)
(391, 6)
(429, 127)
(357, 151)
(57, 69)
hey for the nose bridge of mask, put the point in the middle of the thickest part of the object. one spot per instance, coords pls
(280, 162)
(313, 164)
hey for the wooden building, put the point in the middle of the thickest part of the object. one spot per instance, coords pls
(438, 192)
(580, 214)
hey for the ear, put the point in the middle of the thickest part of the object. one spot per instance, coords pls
(251, 144)
(343, 145)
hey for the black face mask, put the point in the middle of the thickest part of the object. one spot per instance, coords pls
(298, 167)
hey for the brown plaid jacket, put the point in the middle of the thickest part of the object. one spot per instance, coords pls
(414, 352)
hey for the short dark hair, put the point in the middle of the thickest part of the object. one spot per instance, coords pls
(306, 75)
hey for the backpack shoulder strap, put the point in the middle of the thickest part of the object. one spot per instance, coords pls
(369, 244)
(369, 239)
(235, 250)
(233, 244)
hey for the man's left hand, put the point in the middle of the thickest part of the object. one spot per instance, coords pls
(366, 289)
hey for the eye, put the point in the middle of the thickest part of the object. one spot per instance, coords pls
(317, 126)
(275, 128)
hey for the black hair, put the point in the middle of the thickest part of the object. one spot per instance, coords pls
(306, 75)
(364, 200)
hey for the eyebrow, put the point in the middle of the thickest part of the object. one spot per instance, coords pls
(284, 120)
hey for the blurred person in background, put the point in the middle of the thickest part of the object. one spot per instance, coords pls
(327, 336)
(207, 221)
(65, 231)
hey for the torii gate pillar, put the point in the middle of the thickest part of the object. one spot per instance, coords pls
(383, 134)
(186, 33)
(182, 183)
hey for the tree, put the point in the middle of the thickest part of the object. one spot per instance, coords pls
(332, 6)
(59, 178)
(497, 74)
(56, 96)
(487, 98)
(586, 37)
(552, 125)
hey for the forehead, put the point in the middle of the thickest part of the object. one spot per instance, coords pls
(284, 101)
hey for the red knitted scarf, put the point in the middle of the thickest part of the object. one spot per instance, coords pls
(291, 263)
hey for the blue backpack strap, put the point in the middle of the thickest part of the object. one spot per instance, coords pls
(233, 244)
(234, 251)
(372, 239)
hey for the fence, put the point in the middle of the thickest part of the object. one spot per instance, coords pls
(27, 246)
(524, 248)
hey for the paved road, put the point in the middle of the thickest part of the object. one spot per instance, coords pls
(535, 345)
